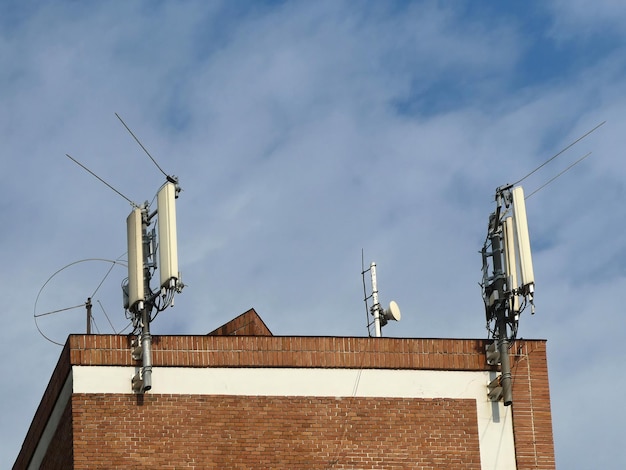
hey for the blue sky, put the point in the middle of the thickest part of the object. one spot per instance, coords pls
(303, 133)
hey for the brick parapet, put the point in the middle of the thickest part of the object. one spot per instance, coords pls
(532, 425)
(285, 351)
(532, 417)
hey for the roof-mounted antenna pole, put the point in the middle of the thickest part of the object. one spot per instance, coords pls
(376, 306)
(88, 308)
(138, 297)
(365, 296)
(381, 316)
(511, 281)
(498, 288)
(139, 253)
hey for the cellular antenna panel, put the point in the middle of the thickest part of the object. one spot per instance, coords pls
(523, 240)
(136, 288)
(168, 245)
(511, 260)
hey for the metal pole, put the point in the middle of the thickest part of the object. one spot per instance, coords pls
(146, 346)
(376, 305)
(146, 338)
(503, 342)
(88, 307)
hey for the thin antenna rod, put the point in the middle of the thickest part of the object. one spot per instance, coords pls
(92, 173)
(102, 281)
(365, 296)
(105, 314)
(559, 153)
(59, 310)
(566, 169)
(141, 145)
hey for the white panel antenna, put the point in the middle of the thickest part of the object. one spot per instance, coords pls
(510, 256)
(168, 247)
(136, 286)
(523, 240)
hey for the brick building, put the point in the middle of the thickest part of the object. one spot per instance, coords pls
(243, 398)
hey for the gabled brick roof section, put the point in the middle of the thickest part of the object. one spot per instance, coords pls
(247, 324)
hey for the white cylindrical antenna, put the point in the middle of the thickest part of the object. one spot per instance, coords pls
(168, 245)
(510, 261)
(376, 306)
(523, 240)
(136, 291)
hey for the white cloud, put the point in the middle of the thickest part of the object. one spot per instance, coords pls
(575, 18)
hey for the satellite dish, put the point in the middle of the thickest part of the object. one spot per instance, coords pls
(393, 312)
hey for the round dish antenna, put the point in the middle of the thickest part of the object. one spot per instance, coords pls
(70, 300)
(393, 312)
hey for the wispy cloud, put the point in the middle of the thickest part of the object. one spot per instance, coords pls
(303, 132)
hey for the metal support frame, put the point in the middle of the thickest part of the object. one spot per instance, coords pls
(500, 312)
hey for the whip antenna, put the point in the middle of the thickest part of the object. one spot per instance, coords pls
(143, 148)
(552, 179)
(559, 153)
(93, 174)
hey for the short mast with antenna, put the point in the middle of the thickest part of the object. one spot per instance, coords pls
(381, 316)
(142, 243)
(508, 284)
(376, 306)
(508, 280)
(140, 299)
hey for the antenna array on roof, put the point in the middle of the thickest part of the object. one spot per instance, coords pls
(380, 316)
(141, 301)
(508, 279)
(508, 283)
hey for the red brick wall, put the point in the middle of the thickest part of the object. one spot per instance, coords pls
(247, 324)
(532, 425)
(37, 426)
(60, 451)
(190, 431)
(286, 351)
(532, 417)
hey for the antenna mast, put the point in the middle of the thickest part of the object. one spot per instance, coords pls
(381, 316)
(139, 298)
(508, 281)
(88, 308)
(376, 306)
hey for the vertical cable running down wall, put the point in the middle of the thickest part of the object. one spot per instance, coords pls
(335, 460)
(519, 358)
